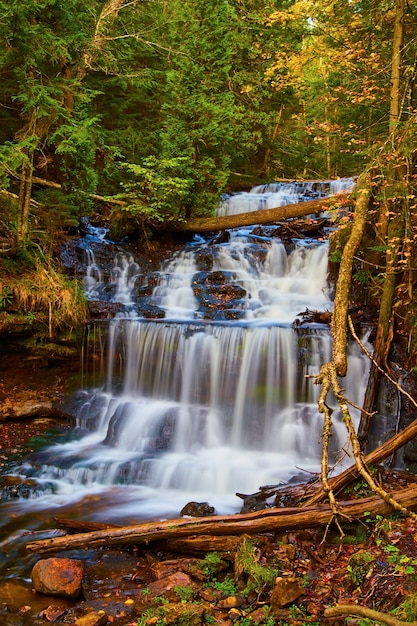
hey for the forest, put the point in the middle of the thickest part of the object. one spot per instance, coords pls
(165, 106)
(143, 114)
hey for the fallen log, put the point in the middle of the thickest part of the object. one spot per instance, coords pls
(194, 544)
(200, 544)
(201, 225)
(268, 520)
(80, 526)
(265, 216)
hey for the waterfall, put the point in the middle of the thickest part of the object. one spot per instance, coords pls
(212, 396)
(277, 194)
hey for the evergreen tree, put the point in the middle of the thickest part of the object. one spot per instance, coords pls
(191, 164)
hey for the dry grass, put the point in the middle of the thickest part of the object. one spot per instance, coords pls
(45, 295)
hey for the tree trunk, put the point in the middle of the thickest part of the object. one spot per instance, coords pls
(396, 64)
(29, 131)
(24, 201)
(341, 302)
(385, 323)
(394, 228)
(266, 216)
(268, 520)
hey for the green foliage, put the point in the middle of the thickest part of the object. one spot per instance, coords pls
(59, 211)
(362, 277)
(185, 594)
(160, 190)
(227, 586)
(197, 112)
(335, 256)
(258, 577)
(152, 614)
(187, 94)
(211, 563)
(358, 567)
(407, 611)
(403, 564)
(6, 297)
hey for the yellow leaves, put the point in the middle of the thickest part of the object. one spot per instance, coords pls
(299, 10)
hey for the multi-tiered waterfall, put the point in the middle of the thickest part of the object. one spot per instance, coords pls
(211, 396)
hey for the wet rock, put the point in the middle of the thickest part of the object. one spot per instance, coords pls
(197, 509)
(52, 613)
(144, 291)
(184, 613)
(164, 587)
(16, 487)
(217, 296)
(162, 569)
(258, 616)
(286, 590)
(210, 595)
(58, 577)
(103, 310)
(253, 502)
(28, 409)
(150, 311)
(204, 259)
(92, 619)
(231, 602)
(235, 615)
(222, 237)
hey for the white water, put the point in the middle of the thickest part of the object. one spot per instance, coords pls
(196, 409)
(280, 194)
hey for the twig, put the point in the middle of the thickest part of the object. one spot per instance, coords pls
(369, 355)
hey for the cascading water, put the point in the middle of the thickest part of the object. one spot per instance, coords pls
(279, 194)
(211, 399)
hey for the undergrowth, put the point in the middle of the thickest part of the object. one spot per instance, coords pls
(41, 294)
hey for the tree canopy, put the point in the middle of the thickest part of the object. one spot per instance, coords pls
(166, 105)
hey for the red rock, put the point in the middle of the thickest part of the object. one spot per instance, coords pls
(58, 577)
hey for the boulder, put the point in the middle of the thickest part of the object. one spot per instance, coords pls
(58, 577)
(197, 509)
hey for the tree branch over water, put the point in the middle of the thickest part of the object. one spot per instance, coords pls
(265, 216)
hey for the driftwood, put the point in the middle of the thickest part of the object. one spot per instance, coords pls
(268, 520)
(363, 611)
(265, 216)
(195, 544)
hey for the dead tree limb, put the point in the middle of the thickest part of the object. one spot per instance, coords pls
(268, 520)
(265, 216)
(363, 611)
(376, 456)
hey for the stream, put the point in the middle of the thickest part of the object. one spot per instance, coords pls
(203, 386)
